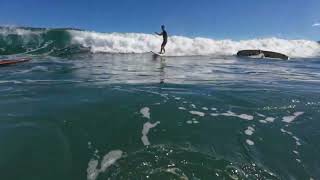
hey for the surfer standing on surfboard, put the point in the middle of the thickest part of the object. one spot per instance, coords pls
(165, 39)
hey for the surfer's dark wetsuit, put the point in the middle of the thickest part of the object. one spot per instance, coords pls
(164, 34)
(165, 38)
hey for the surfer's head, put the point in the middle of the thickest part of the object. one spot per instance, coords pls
(163, 27)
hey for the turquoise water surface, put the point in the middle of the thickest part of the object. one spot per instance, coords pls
(135, 116)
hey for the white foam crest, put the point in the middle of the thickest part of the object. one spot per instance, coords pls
(193, 106)
(261, 115)
(92, 170)
(270, 119)
(185, 46)
(298, 143)
(232, 114)
(245, 117)
(18, 31)
(109, 159)
(198, 113)
(146, 128)
(267, 120)
(289, 119)
(205, 108)
(27, 35)
(145, 112)
(249, 131)
(182, 108)
(249, 142)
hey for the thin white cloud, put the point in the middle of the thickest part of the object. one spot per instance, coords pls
(316, 25)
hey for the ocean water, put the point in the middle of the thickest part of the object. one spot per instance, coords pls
(99, 106)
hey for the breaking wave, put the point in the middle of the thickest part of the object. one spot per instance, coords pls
(60, 42)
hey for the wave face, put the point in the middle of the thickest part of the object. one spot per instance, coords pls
(56, 42)
(60, 42)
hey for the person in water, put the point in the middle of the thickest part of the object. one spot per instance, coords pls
(165, 39)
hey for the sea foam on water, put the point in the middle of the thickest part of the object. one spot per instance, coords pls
(143, 43)
(185, 46)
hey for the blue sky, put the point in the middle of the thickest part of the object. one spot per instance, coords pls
(220, 19)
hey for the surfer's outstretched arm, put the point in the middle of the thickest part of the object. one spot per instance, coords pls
(159, 34)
